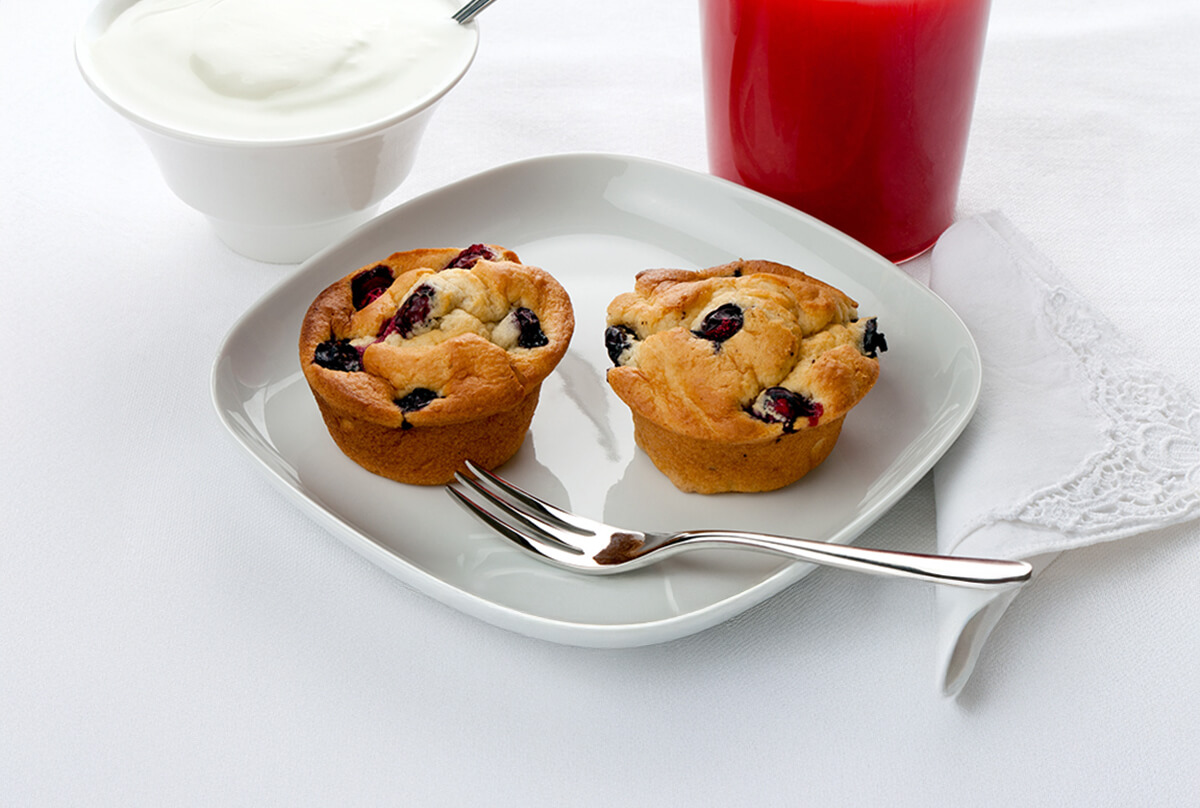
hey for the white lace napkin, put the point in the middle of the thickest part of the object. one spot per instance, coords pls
(1076, 441)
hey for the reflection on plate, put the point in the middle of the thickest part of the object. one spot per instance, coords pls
(594, 221)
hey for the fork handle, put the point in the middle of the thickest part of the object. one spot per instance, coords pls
(941, 569)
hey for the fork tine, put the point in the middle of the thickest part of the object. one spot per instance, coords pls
(532, 506)
(504, 528)
(535, 530)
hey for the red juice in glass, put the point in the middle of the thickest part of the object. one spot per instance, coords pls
(854, 111)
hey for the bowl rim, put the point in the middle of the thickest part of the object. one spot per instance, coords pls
(105, 11)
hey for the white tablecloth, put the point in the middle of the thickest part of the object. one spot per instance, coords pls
(174, 632)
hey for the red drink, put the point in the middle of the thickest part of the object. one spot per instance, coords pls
(855, 111)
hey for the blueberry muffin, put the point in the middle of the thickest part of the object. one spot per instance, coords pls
(434, 356)
(738, 376)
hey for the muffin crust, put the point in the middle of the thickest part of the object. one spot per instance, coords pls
(433, 356)
(738, 376)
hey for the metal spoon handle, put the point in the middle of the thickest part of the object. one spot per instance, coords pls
(467, 13)
(953, 570)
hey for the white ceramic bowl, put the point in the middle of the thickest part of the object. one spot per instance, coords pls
(277, 200)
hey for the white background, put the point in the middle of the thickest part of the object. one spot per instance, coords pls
(174, 632)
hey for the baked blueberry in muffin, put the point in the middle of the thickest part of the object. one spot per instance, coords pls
(739, 376)
(433, 356)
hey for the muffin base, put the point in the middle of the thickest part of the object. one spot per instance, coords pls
(701, 466)
(429, 455)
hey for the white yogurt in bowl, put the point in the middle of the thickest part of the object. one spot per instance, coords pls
(285, 121)
(279, 69)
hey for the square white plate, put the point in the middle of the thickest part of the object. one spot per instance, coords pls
(594, 221)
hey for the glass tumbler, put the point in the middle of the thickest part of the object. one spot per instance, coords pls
(854, 111)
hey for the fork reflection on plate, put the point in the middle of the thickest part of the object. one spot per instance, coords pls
(584, 545)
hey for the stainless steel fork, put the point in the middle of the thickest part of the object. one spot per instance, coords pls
(584, 545)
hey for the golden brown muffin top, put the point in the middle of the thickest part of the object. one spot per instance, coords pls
(435, 336)
(740, 352)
